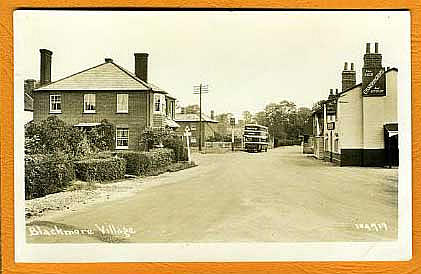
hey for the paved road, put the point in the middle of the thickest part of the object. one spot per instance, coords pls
(281, 195)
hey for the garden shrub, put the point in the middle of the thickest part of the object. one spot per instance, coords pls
(145, 163)
(103, 169)
(54, 136)
(47, 174)
(102, 136)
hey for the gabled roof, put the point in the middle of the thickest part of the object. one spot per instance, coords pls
(106, 76)
(192, 117)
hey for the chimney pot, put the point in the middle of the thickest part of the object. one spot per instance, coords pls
(336, 91)
(376, 47)
(346, 66)
(367, 48)
(141, 66)
(45, 70)
(331, 91)
(108, 60)
(212, 114)
(352, 66)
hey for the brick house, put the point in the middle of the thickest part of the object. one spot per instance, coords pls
(192, 120)
(106, 91)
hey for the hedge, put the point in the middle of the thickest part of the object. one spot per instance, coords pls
(104, 169)
(47, 174)
(144, 163)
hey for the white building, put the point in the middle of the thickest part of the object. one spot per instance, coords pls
(360, 123)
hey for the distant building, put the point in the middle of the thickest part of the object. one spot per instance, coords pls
(359, 125)
(29, 86)
(106, 91)
(192, 120)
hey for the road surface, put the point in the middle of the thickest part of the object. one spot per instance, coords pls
(278, 196)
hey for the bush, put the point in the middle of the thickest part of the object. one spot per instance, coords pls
(288, 142)
(166, 138)
(146, 163)
(104, 169)
(46, 174)
(102, 136)
(54, 136)
(177, 145)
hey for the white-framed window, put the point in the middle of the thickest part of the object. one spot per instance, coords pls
(122, 138)
(89, 103)
(122, 103)
(193, 127)
(193, 139)
(159, 103)
(55, 103)
(336, 145)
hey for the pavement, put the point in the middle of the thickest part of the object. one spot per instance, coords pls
(278, 196)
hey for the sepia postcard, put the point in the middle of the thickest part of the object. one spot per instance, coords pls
(183, 136)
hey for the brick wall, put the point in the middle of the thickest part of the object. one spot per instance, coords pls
(106, 108)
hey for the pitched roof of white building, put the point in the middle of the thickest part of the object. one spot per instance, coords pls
(106, 76)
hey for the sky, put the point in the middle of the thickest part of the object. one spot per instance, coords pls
(247, 58)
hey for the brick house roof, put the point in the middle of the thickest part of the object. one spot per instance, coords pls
(192, 117)
(106, 76)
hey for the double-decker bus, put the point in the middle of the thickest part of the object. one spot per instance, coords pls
(255, 138)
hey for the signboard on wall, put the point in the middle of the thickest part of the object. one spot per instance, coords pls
(331, 126)
(374, 82)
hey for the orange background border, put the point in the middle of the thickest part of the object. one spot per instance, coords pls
(6, 132)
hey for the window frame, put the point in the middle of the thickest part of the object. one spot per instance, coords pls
(117, 138)
(84, 103)
(122, 110)
(55, 102)
(162, 103)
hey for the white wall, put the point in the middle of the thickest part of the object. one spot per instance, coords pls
(379, 111)
(350, 122)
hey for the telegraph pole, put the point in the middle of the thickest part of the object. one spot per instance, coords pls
(199, 90)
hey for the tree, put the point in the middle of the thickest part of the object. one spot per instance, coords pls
(192, 109)
(247, 117)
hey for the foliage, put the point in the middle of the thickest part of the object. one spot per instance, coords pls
(46, 174)
(102, 136)
(102, 169)
(54, 136)
(145, 163)
(166, 138)
(247, 117)
(285, 121)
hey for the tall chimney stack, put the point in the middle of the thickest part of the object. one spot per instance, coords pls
(45, 71)
(367, 48)
(348, 77)
(372, 65)
(141, 66)
(212, 114)
(376, 47)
